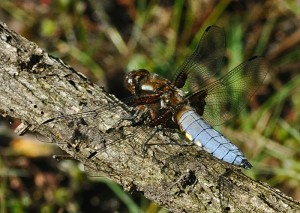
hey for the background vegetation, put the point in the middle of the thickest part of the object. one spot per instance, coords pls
(105, 39)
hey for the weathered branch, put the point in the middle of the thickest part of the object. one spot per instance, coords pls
(36, 87)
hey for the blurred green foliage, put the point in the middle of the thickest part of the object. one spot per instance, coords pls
(106, 39)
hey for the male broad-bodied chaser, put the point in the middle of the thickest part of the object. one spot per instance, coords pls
(194, 107)
(197, 99)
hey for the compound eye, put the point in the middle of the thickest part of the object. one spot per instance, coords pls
(129, 81)
(133, 79)
(142, 72)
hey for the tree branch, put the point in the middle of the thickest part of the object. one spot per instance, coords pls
(36, 87)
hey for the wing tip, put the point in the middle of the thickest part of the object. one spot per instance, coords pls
(212, 26)
(255, 57)
(208, 28)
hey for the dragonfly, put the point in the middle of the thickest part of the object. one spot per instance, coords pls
(198, 98)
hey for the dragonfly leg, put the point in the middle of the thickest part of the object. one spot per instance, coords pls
(138, 117)
(145, 144)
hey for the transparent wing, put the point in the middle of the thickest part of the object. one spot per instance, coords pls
(223, 98)
(81, 132)
(92, 117)
(206, 61)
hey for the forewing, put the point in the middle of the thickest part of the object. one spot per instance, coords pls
(227, 96)
(205, 62)
(86, 141)
(97, 115)
(89, 136)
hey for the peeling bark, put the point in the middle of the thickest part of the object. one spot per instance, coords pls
(36, 87)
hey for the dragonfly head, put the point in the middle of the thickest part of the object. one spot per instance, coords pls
(134, 78)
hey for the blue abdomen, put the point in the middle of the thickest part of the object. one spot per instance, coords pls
(203, 134)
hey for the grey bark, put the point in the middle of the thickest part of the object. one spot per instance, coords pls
(36, 87)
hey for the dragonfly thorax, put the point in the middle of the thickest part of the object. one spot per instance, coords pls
(156, 93)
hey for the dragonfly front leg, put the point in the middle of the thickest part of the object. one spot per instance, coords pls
(137, 117)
